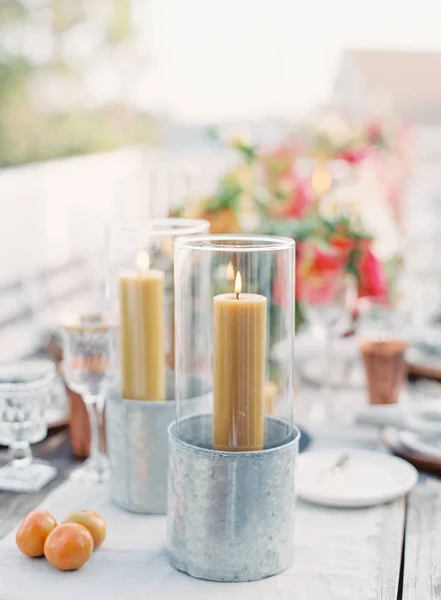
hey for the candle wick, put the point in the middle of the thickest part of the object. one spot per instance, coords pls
(237, 295)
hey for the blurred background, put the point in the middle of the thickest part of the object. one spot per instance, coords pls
(259, 115)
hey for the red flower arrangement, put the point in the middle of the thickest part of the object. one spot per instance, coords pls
(321, 261)
(265, 192)
(371, 276)
(325, 251)
(295, 197)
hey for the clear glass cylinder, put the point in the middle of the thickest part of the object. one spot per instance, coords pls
(235, 330)
(140, 286)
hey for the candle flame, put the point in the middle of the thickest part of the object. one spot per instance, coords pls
(143, 261)
(238, 284)
(230, 271)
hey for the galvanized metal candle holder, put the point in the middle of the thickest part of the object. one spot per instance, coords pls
(137, 445)
(141, 398)
(231, 469)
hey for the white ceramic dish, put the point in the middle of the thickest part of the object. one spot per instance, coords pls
(368, 478)
(425, 416)
(427, 444)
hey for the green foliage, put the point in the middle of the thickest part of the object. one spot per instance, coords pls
(293, 228)
(11, 10)
(29, 129)
(120, 27)
(226, 196)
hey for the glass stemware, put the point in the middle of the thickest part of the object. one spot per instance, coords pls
(24, 397)
(416, 296)
(327, 298)
(86, 341)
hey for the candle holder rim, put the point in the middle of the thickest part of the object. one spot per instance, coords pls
(211, 242)
(162, 227)
(149, 404)
(71, 319)
(173, 433)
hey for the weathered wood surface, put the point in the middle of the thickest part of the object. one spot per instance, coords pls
(348, 554)
(353, 554)
(390, 550)
(14, 506)
(340, 554)
(422, 561)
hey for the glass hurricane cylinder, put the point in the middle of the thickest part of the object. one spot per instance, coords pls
(140, 398)
(235, 329)
(231, 461)
(141, 291)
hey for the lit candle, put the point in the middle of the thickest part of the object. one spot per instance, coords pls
(239, 370)
(142, 332)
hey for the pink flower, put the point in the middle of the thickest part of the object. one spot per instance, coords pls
(374, 132)
(353, 156)
(318, 291)
(298, 195)
(344, 244)
(318, 275)
(371, 277)
(277, 164)
(283, 156)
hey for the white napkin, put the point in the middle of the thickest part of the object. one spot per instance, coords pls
(334, 549)
(391, 415)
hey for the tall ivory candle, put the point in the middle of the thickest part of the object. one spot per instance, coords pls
(142, 332)
(239, 370)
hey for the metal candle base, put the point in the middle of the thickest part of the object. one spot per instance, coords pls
(137, 446)
(231, 514)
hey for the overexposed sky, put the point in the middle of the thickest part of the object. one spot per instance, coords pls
(234, 59)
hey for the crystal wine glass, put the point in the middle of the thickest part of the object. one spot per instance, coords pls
(86, 341)
(327, 297)
(25, 390)
(416, 296)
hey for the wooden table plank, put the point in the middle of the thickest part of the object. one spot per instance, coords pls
(390, 549)
(352, 554)
(340, 554)
(422, 561)
(376, 535)
(14, 506)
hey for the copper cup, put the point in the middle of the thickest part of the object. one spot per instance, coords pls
(79, 425)
(386, 369)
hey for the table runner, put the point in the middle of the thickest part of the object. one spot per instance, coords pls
(340, 554)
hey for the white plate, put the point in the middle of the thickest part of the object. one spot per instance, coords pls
(428, 444)
(424, 416)
(368, 478)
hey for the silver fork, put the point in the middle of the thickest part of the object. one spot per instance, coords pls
(337, 469)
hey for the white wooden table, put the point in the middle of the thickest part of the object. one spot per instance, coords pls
(407, 541)
(386, 552)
